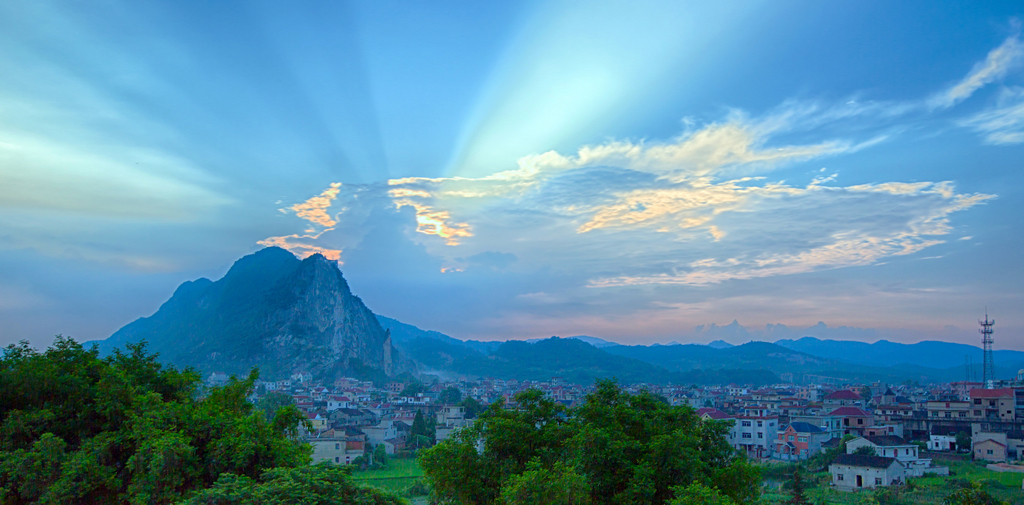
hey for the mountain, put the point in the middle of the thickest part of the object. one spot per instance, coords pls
(270, 310)
(928, 353)
(720, 344)
(594, 341)
(402, 333)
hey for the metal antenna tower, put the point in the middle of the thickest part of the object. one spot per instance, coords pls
(989, 368)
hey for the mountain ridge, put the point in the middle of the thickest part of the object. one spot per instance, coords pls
(269, 310)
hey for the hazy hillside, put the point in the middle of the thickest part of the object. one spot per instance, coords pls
(928, 353)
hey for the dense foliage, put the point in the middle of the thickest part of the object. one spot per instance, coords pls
(321, 484)
(614, 448)
(78, 428)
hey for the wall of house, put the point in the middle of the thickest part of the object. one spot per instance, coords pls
(845, 476)
(330, 450)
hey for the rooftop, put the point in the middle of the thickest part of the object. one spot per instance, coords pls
(863, 460)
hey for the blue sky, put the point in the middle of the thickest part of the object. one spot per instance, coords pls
(630, 170)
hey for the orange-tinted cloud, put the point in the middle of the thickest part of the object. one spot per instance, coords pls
(314, 210)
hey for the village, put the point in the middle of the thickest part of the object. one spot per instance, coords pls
(887, 430)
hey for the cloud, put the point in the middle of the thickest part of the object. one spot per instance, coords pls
(673, 212)
(1002, 123)
(998, 62)
(314, 210)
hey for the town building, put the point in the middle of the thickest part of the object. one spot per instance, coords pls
(851, 472)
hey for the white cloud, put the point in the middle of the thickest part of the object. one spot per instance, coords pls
(665, 213)
(1002, 123)
(998, 62)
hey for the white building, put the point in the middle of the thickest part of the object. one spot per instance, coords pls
(755, 435)
(901, 450)
(851, 472)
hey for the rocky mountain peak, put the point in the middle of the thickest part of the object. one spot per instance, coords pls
(270, 310)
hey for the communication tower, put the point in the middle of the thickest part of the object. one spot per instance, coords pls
(988, 368)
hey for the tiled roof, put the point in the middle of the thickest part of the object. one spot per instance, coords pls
(886, 440)
(802, 427)
(844, 394)
(849, 411)
(991, 393)
(863, 460)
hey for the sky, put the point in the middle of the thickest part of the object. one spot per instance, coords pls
(637, 171)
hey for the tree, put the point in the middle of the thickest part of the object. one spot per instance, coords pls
(472, 407)
(413, 389)
(699, 494)
(321, 484)
(380, 456)
(865, 450)
(629, 449)
(272, 402)
(797, 489)
(77, 428)
(866, 394)
(422, 432)
(973, 495)
(559, 485)
(636, 449)
(450, 396)
(963, 441)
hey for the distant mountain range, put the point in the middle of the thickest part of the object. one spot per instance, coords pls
(928, 353)
(284, 315)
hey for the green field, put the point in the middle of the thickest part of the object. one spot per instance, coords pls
(397, 477)
(918, 491)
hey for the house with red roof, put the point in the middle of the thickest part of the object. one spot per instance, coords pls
(842, 398)
(855, 419)
(992, 405)
(799, 440)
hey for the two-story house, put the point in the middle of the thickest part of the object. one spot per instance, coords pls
(799, 441)
(993, 405)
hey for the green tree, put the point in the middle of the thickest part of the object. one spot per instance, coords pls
(699, 494)
(560, 485)
(963, 441)
(866, 450)
(473, 408)
(450, 396)
(413, 388)
(272, 402)
(77, 428)
(321, 484)
(866, 394)
(973, 495)
(628, 448)
(636, 449)
(380, 456)
(797, 489)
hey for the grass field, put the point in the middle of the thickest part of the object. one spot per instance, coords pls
(918, 491)
(397, 477)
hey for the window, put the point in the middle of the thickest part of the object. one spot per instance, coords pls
(337, 459)
(878, 481)
(977, 412)
(746, 423)
(839, 476)
(760, 424)
(977, 401)
(337, 446)
(760, 434)
(860, 421)
(746, 435)
(791, 438)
